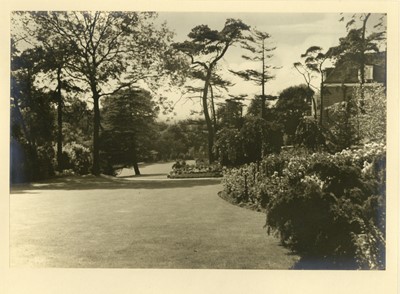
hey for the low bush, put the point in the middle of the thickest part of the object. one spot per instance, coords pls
(320, 205)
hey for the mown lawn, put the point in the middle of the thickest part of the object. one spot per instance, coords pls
(104, 223)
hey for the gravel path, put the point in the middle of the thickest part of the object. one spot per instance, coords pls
(121, 223)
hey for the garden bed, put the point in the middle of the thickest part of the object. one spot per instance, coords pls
(182, 170)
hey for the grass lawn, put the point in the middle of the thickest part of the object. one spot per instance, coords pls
(106, 223)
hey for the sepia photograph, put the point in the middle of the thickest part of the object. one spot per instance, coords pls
(187, 140)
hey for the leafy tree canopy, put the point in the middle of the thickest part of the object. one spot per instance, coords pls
(292, 105)
(128, 121)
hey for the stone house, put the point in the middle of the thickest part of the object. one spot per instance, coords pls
(341, 81)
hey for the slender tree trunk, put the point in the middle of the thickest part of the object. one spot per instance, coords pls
(32, 148)
(24, 126)
(60, 166)
(210, 128)
(96, 128)
(321, 113)
(135, 160)
(321, 106)
(214, 118)
(263, 98)
(213, 108)
(314, 104)
(362, 62)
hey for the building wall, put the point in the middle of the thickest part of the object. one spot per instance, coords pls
(337, 93)
(334, 93)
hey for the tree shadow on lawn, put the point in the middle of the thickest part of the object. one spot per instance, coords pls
(109, 183)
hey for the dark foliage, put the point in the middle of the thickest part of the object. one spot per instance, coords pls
(128, 120)
(309, 134)
(328, 208)
(292, 105)
(32, 121)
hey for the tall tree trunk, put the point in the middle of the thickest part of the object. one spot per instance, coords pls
(321, 110)
(60, 166)
(213, 108)
(214, 114)
(263, 100)
(314, 105)
(209, 124)
(96, 128)
(32, 148)
(321, 106)
(362, 61)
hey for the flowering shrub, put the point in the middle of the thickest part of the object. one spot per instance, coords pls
(77, 158)
(254, 182)
(330, 206)
(359, 119)
(372, 120)
(181, 169)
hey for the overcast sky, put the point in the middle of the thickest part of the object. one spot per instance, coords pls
(291, 34)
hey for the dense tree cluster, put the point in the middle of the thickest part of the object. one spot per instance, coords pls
(72, 57)
(83, 84)
(185, 139)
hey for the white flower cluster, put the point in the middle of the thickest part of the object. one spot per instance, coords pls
(313, 179)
